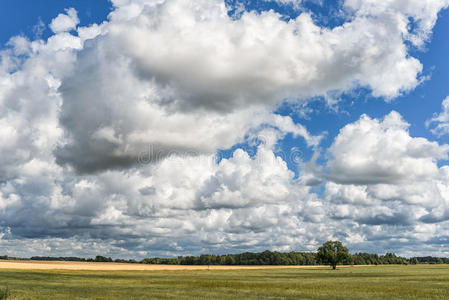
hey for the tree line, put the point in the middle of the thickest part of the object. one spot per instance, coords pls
(330, 253)
(277, 258)
(261, 258)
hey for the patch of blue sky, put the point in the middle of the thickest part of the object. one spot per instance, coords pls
(328, 14)
(420, 104)
(324, 13)
(30, 18)
(236, 7)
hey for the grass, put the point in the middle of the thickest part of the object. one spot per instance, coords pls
(379, 282)
(5, 293)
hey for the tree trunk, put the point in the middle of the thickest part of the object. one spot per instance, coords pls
(334, 267)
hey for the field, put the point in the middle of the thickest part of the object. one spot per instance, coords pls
(374, 282)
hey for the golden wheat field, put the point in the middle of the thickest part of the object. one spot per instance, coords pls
(110, 266)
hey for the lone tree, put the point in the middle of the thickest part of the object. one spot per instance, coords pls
(332, 253)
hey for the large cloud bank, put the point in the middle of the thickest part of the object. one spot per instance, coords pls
(109, 134)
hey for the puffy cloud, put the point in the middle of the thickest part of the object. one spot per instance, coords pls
(240, 201)
(65, 22)
(29, 104)
(383, 176)
(64, 247)
(390, 204)
(410, 219)
(441, 120)
(147, 132)
(423, 13)
(204, 52)
(209, 70)
(382, 151)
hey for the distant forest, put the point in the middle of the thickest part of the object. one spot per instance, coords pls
(261, 258)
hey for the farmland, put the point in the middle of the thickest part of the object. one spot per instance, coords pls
(111, 281)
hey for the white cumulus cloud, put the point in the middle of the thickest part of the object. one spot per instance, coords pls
(65, 22)
(440, 120)
(382, 151)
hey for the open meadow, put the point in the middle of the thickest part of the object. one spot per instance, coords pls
(370, 282)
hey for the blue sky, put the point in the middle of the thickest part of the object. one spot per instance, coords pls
(326, 118)
(22, 16)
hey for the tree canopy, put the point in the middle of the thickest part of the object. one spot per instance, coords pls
(333, 253)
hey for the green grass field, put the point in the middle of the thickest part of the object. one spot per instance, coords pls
(379, 282)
